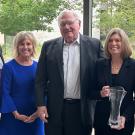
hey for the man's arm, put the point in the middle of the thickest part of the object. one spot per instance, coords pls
(41, 84)
(41, 78)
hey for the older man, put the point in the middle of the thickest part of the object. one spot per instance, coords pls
(64, 77)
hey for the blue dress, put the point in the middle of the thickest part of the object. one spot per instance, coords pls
(18, 94)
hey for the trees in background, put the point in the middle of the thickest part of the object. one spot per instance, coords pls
(18, 15)
(116, 13)
(29, 15)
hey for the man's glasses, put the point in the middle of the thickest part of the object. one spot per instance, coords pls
(67, 22)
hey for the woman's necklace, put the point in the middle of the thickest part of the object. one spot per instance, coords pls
(115, 68)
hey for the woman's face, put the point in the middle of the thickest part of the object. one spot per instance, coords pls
(25, 48)
(115, 45)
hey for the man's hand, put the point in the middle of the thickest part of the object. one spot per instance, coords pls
(42, 113)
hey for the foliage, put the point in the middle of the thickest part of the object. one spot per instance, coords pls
(6, 51)
(29, 15)
(116, 13)
(20, 15)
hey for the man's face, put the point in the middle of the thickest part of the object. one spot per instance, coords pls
(69, 27)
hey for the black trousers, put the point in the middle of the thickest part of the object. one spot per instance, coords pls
(72, 119)
(72, 123)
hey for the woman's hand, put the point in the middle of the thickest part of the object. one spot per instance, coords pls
(20, 116)
(122, 120)
(31, 118)
(105, 92)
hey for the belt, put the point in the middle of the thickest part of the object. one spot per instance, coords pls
(71, 101)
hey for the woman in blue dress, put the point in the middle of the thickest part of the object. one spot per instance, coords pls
(1, 65)
(18, 106)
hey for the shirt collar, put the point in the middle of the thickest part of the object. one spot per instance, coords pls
(77, 41)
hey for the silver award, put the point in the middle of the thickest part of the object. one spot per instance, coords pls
(116, 97)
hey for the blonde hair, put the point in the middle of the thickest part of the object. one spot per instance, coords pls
(20, 37)
(126, 47)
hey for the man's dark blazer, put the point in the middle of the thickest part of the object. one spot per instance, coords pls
(50, 76)
(126, 79)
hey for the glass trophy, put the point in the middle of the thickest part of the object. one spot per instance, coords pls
(116, 97)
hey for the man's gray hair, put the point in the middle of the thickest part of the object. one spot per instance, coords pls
(68, 11)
